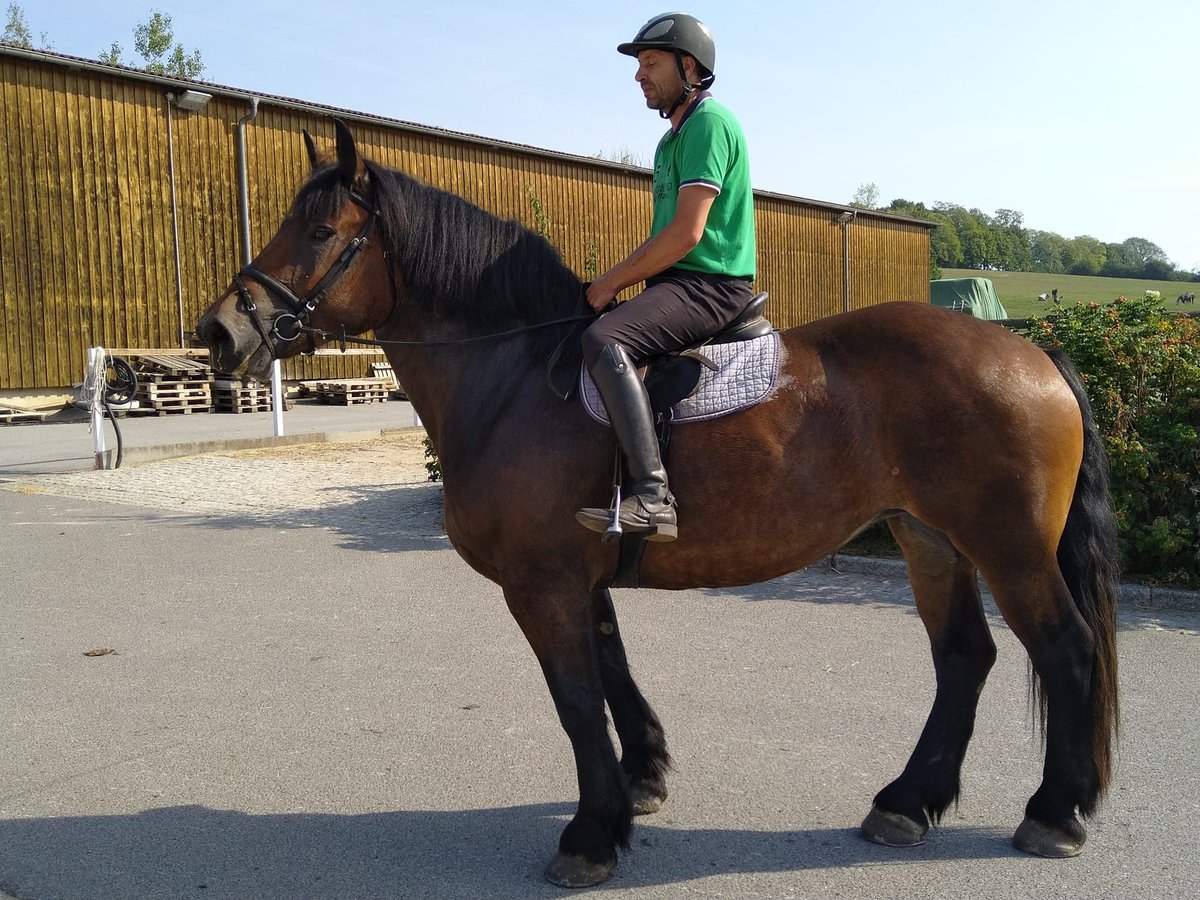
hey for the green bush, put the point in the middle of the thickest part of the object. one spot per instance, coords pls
(1141, 369)
(433, 465)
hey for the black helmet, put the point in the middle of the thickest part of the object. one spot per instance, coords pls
(677, 32)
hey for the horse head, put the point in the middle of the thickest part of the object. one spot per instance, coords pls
(323, 271)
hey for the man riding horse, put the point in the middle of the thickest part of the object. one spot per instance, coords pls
(697, 263)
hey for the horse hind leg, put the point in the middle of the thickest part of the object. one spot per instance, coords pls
(1062, 650)
(644, 756)
(948, 601)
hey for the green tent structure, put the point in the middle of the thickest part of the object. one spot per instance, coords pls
(974, 296)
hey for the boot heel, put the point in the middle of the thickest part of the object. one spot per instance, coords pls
(663, 533)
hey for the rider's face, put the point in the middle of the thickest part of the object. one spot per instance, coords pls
(659, 77)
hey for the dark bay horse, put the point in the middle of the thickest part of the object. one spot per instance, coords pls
(975, 446)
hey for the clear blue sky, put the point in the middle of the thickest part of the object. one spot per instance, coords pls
(1081, 115)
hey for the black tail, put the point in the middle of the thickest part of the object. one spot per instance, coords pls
(1087, 557)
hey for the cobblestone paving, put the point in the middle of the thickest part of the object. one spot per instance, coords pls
(330, 484)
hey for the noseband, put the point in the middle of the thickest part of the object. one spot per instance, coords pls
(290, 325)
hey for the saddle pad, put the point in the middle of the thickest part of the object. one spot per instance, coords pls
(746, 375)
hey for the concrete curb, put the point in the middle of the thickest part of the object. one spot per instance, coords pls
(1137, 595)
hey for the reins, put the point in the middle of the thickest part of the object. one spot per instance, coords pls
(343, 339)
(565, 394)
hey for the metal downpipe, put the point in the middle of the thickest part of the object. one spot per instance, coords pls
(244, 180)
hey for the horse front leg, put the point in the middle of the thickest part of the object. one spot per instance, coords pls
(558, 623)
(644, 756)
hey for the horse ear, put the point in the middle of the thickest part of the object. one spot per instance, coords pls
(311, 146)
(347, 153)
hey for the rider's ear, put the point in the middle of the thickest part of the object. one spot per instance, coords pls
(347, 153)
(311, 146)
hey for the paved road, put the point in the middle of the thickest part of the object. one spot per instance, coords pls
(312, 697)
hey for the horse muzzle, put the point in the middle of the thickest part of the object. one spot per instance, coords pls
(236, 348)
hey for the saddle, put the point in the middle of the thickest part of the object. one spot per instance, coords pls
(674, 377)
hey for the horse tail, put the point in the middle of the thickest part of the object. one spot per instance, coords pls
(1087, 557)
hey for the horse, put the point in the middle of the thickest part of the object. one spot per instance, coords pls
(975, 446)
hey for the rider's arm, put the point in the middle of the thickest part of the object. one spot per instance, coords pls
(660, 252)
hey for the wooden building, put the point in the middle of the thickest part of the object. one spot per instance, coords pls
(119, 211)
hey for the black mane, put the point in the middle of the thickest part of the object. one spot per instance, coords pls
(459, 262)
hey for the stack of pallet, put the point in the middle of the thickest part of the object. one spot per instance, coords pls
(351, 391)
(171, 384)
(241, 395)
(384, 370)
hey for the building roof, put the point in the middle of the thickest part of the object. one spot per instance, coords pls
(168, 82)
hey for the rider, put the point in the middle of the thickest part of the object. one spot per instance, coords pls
(697, 263)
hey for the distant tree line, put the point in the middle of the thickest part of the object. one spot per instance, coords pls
(153, 39)
(971, 239)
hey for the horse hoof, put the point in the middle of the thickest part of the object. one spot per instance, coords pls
(1041, 839)
(570, 871)
(645, 799)
(892, 829)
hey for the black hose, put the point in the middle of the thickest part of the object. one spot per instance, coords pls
(120, 386)
(117, 430)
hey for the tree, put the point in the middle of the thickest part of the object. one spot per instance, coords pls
(153, 40)
(1141, 251)
(1085, 256)
(112, 55)
(867, 196)
(1047, 252)
(624, 156)
(17, 33)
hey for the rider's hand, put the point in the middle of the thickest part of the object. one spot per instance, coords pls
(600, 294)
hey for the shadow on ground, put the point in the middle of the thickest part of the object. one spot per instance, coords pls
(193, 852)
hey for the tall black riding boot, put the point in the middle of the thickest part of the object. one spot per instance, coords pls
(648, 507)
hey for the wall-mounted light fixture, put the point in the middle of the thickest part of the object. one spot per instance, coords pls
(192, 101)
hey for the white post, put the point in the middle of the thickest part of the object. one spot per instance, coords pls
(95, 377)
(277, 398)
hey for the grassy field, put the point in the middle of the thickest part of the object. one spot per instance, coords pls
(1019, 290)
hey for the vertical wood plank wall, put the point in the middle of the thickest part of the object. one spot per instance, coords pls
(87, 245)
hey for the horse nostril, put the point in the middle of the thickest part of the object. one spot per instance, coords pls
(216, 336)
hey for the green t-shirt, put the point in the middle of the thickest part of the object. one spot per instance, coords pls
(709, 148)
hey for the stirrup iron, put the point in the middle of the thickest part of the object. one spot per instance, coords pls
(615, 531)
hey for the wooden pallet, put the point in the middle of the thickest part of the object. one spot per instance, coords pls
(174, 396)
(153, 368)
(243, 396)
(10, 416)
(167, 410)
(384, 370)
(243, 406)
(351, 391)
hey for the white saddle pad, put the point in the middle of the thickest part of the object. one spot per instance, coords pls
(747, 373)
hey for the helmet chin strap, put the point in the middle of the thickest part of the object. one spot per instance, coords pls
(688, 88)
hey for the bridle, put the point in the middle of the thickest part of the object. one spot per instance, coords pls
(288, 326)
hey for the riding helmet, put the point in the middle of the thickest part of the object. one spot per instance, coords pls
(680, 33)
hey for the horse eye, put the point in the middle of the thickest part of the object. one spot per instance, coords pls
(323, 233)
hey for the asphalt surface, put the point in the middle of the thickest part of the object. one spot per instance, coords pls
(310, 695)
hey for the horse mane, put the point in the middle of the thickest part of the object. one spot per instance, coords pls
(459, 262)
